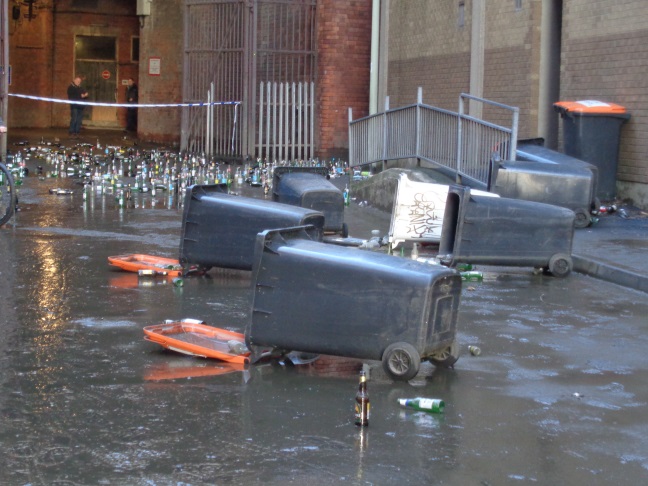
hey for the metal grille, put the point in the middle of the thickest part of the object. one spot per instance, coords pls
(214, 70)
(234, 51)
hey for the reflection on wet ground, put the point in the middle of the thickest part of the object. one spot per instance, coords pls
(556, 397)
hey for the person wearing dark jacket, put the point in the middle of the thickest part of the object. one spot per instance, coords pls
(76, 93)
(131, 113)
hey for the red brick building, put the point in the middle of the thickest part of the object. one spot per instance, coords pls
(96, 39)
(108, 41)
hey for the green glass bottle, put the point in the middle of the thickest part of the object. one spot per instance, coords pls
(464, 267)
(434, 405)
(472, 276)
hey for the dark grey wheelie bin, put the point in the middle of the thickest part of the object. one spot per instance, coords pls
(309, 187)
(220, 230)
(543, 175)
(318, 298)
(503, 231)
(592, 132)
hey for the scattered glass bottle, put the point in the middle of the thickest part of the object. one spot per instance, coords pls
(362, 403)
(415, 252)
(434, 405)
(151, 273)
(464, 267)
(472, 276)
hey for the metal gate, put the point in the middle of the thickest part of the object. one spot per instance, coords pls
(233, 50)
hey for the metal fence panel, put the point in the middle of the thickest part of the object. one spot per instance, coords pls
(462, 144)
(400, 138)
(286, 120)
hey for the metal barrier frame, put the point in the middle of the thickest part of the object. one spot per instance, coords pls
(460, 145)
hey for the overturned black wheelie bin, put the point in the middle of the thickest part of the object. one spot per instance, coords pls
(503, 231)
(309, 187)
(543, 175)
(220, 230)
(326, 299)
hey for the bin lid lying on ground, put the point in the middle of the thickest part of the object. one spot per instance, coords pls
(309, 187)
(328, 299)
(418, 211)
(219, 230)
(591, 107)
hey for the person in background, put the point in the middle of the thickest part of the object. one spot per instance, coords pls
(3, 129)
(131, 113)
(76, 93)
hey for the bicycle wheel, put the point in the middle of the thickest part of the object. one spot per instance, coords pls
(7, 195)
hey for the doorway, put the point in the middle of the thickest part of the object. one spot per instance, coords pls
(96, 63)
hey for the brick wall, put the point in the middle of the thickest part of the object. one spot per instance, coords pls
(30, 57)
(344, 41)
(42, 55)
(162, 37)
(428, 48)
(605, 57)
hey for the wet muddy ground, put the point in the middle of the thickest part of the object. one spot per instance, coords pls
(557, 395)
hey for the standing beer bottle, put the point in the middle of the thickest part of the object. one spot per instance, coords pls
(362, 405)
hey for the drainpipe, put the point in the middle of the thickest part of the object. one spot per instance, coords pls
(477, 46)
(374, 62)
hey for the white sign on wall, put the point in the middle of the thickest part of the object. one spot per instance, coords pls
(154, 66)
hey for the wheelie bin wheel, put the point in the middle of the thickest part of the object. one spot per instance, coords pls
(401, 361)
(560, 265)
(446, 358)
(583, 218)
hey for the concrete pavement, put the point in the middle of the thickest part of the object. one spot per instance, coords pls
(615, 248)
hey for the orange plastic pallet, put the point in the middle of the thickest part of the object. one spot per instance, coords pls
(135, 262)
(194, 338)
